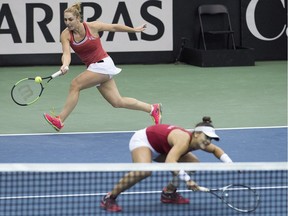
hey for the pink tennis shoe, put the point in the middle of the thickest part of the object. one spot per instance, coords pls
(109, 204)
(173, 198)
(156, 113)
(55, 122)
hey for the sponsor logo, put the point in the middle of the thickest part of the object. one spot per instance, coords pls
(252, 25)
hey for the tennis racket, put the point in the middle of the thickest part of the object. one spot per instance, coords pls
(239, 197)
(26, 91)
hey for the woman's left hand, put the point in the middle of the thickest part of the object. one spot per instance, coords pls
(140, 28)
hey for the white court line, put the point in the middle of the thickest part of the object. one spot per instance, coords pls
(124, 193)
(109, 132)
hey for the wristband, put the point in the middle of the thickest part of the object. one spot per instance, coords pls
(225, 158)
(183, 176)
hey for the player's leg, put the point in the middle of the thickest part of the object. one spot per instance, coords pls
(139, 147)
(110, 92)
(139, 155)
(84, 80)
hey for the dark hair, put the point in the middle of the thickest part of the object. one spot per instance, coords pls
(206, 121)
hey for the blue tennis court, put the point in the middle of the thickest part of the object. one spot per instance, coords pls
(247, 135)
(79, 193)
(267, 144)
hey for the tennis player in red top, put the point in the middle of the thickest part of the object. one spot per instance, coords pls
(84, 39)
(168, 144)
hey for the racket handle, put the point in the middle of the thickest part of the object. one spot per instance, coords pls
(203, 189)
(59, 73)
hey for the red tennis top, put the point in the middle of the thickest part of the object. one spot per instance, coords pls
(157, 136)
(89, 49)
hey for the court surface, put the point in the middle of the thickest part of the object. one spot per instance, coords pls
(248, 106)
(243, 145)
(234, 97)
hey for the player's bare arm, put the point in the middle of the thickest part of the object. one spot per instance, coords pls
(181, 145)
(66, 56)
(98, 26)
(218, 152)
(179, 140)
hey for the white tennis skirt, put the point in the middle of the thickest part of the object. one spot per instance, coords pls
(105, 66)
(139, 139)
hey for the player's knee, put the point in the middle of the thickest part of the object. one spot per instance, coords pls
(74, 85)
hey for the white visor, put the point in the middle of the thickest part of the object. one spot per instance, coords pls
(208, 131)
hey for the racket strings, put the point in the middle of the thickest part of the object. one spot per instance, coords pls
(242, 199)
(26, 91)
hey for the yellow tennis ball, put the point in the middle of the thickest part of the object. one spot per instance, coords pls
(38, 79)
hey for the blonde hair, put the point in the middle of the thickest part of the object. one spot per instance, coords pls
(75, 9)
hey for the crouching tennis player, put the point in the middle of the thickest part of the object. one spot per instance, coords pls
(168, 144)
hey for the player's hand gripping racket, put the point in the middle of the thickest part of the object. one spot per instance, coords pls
(238, 197)
(27, 91)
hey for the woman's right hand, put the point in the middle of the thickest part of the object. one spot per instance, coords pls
(191, 185)
(64, 69)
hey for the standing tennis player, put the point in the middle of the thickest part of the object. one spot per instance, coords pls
(84, 39)
(168, 144)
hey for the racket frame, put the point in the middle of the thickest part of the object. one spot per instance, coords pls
(223, 190)
(48, 78)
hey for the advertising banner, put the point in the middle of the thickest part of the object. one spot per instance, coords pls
(264, 27)
(33, 26)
